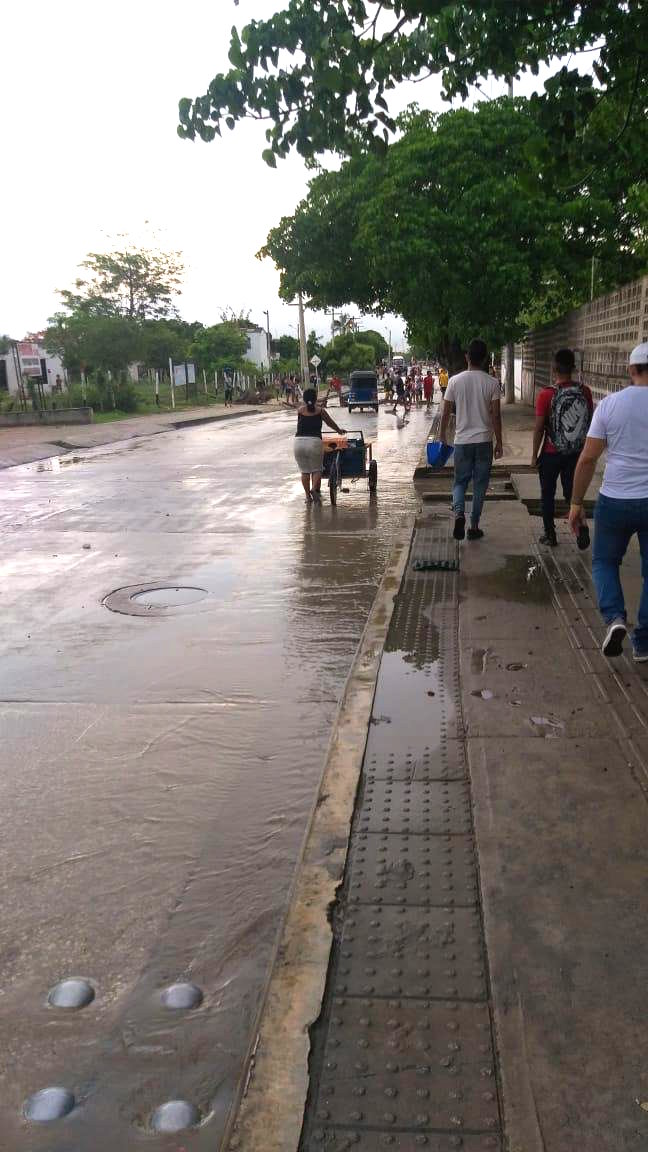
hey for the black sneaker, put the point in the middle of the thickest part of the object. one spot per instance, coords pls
(475, 534)
(614, 637)
(459, 527)
(549, 539)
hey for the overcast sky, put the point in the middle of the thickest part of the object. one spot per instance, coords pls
(89, 99)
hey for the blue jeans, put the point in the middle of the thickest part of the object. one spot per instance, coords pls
(471, 462)
(616, 522)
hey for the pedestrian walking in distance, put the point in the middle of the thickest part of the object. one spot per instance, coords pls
(620, 424)
(563, 416)
(428, 390)
(399, 388)
(474, 397)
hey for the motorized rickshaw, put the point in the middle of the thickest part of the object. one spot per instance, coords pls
(348, 457)
(363, 390)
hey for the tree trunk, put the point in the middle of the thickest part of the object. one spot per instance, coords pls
(456, 357)
(509, 378)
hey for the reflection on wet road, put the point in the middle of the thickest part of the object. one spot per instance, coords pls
(158, 772)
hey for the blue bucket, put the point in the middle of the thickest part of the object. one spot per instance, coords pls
(438, 454)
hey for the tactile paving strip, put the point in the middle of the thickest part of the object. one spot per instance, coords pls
(349, 1140)
(444, 761)
(420, 807)
(403, 1056)
(411, 952)
(407, 869)
(409, 1064)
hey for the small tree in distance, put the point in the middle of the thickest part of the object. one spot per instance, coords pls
(136, 283)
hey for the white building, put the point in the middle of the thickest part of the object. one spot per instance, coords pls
(29, 359)
(257, 348)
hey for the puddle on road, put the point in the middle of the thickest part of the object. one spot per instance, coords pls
(410, 704)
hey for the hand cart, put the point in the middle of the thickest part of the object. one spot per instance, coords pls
(348, 457)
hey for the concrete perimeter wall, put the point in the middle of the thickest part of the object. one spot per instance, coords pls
(601, 333)
(47, 416)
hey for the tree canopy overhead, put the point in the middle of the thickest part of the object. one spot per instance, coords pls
(320, 71)
(452, 228)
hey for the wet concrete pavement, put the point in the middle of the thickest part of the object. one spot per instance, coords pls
(22, 445)
(158, 770)
(485, 982)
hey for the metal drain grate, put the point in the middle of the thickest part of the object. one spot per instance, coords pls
(154, 599)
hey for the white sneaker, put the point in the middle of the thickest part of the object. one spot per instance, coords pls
(614, 637)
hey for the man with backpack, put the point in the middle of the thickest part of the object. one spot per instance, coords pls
(563, 416)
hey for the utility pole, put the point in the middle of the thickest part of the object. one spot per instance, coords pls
(509, 351)
(267, 316)
(303, 350)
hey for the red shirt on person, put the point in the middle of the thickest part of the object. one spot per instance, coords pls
(428, 386)
(543, 408)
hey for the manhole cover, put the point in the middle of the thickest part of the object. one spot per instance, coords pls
(169, 597)
(154, 599)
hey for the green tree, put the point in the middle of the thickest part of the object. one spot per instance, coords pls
(320, 73)
(241, 318)
(452, 228)
(134, 283)
(346, 352)
(378, 343)
(286, 347)
(166, 339)
(314, 346)
(218, 347)
(345, 323)
(91, 343)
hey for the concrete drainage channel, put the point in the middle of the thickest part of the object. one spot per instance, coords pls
(159, 599)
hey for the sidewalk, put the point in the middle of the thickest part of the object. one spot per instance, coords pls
(513, 477)
(486, 980)
(24, 445)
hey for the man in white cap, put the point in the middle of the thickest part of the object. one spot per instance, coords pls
(620, 424)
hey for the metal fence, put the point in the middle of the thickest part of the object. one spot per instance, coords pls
(601, 333)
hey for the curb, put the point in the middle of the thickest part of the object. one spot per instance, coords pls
(268, 1114)
(193, 421)
(160, 430)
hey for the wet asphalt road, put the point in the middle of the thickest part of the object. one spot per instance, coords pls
(158, 771)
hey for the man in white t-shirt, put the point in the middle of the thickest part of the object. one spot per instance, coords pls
(474, 397)
(621, 424)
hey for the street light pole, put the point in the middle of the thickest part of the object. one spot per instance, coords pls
(509, 351)
(303, 350)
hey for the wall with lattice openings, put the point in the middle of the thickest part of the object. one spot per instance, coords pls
(601, 333)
